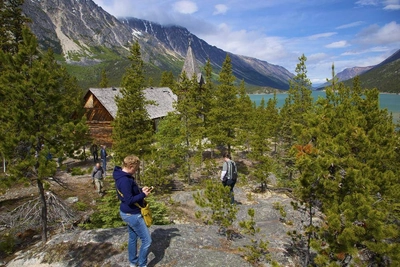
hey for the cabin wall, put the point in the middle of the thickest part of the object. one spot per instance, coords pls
(99, 121)
(101, 132)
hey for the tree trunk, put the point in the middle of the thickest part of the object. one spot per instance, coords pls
(43, 214)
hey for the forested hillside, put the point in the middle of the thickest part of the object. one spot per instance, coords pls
(384, 76)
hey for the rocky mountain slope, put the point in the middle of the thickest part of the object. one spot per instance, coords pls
(352, 72)
(383, 76)
(85, 35)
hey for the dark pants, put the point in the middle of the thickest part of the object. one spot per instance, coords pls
(95, 157)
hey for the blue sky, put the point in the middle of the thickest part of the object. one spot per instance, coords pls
(341, 32)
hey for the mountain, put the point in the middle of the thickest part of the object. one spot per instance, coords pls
(385, 76)
(88, 39)
(346, 74)
(352, 72)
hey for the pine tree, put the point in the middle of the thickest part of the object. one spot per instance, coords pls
(260, 145)
(297, 104)
(208, 95)
(104, 79)
(224, 116)
(12, 22)
(167, 80)
(189, 109)
(215, 201)
(45, 116)
(272, 114)
(170, 154)
(349, 173)
(132, 127)
(246, 110)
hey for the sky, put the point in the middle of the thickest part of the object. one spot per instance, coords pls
(346, 33)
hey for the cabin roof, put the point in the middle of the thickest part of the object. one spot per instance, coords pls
(162, 96)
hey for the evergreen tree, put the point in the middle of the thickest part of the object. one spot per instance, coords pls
(272, 113)
(260, 145)
(170, 154)
(298, 102)
(215, 201)
(224, 116)
(104, 79)
(208, 95)
(189, 109)
(44, 118)
(246, 110)
(349, 172)
(167, 80)
(132, 127)
(12, 22)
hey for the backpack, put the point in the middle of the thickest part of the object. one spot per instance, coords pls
(231, 173)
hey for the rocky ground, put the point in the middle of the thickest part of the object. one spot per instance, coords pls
(186, 242)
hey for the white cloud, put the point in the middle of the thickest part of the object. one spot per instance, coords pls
(350, 25)
(316, 57)
(185, 7)
(392, 5)
(388, 34)
(321, 35)
(376, 49)
(220, 9)
(339, 44)
(248, 43)
(367, 2)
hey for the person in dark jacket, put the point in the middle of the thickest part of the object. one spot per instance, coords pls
(130, 193)
(226, 174)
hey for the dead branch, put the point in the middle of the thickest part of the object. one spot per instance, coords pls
(28, 214)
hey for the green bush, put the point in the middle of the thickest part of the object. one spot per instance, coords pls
(81, 206)
(7, 244)
(257, 250)
(107, 212)
(158, 210)
(77, 171)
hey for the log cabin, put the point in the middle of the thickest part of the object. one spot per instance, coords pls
(101, 109)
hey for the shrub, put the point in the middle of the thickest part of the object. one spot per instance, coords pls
(77, 171)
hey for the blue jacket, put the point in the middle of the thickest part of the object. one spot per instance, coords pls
(131, 192)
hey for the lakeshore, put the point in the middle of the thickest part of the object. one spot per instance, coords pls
(388, 101)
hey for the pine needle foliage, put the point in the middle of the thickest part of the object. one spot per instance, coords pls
(257, 250)
(348, 171)
(215, 201)
(104, 82)
(107, 214)
(132, 127)
(44, 118)
(224, 114)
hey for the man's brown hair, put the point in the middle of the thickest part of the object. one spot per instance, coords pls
(226, 155)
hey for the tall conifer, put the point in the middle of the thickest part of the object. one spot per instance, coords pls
(44, 118)
(349, 173)
(223, 116)
(132, 127)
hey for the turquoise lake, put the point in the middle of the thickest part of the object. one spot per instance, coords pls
(389, 101)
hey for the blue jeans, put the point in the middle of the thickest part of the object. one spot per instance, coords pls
(104, 161)
(137, 228)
